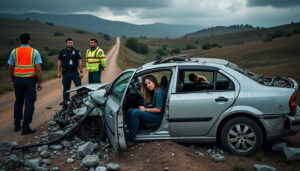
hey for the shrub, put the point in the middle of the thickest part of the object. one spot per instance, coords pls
(106, 37)
(133, 44)
(58, 33)
(206, 46)
(80, 31)
(46, 65)
(53, 51)
(176, 50)
(4, 55)
(50, 24)
(143, 48)
(189, 46)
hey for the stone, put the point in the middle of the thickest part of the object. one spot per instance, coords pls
(38, 168)
(27, 157)
(55, 169)
(56, 147)
(292, 153)
(92, 169)
(42, 148)
(45, 154)
(218, 157)
(101, 168)
(4, 145)
(52, 123)
(113, 166)
(46, 161)
(33, 162)
(66, 144)
(44, 137)
(28, 169)
(77, 139)
(106, 157)
(166, 168)
(12, 162)
(200, 154)
(70, 160)
(279, 146)
(86, 149)
(90, 160)
(14, 144)
(55, 135)
(263, 167)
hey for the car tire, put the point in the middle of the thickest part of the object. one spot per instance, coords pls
(92, 129)
(242, 136)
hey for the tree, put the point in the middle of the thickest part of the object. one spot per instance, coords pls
(106, 37)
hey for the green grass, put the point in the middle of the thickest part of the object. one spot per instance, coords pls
(239, 167)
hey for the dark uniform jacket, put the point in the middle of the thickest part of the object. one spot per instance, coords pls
(69, 58)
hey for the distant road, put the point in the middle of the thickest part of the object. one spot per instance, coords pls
(49, 97)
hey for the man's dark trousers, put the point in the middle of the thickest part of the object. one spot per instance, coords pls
(25, 90)
(67, 80)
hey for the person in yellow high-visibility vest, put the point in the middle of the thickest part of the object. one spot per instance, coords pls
(95, 61)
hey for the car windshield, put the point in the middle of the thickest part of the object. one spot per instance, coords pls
(119, 86)
(243, 71)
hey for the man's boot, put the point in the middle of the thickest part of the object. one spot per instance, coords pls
(27, 130)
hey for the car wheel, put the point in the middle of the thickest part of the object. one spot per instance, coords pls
(92, 129)
(242, 136)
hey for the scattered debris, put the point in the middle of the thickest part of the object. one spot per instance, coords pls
(292, 153)
(263, 167)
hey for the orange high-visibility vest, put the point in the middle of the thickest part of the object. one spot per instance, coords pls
(94, 58)
(24, 61)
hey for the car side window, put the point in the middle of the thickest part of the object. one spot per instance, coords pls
(195, 80)
(118, 88)
(224, 83)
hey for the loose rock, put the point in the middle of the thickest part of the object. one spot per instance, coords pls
(90, 160)
(45, 154)
(113, 166)
(218, 157)
(292, 153)
(70, 160)
(86, 149)
(56, 147)
(263, 167)
(12, 162)
(101, 168)
(279, 146)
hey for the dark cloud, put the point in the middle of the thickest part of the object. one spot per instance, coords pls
(70, 6)
(274, 3)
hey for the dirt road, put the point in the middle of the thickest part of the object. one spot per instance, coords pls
(48, 99)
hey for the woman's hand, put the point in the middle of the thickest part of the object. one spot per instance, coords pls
(142, 108)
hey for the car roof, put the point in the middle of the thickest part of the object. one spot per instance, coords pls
(184, 60)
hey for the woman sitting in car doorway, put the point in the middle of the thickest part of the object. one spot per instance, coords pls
(195, 78)
(154, 94)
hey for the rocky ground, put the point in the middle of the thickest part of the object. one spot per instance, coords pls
(75, 154)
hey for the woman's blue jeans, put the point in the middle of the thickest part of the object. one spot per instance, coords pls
(133, 118)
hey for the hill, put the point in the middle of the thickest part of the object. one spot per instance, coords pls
(218, 30)
(278, 56)
(113, 28)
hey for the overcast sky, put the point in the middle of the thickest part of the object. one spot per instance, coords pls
(206, 13)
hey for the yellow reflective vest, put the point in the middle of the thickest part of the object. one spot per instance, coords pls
(94, 59)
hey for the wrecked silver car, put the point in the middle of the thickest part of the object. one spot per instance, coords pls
(236, 107)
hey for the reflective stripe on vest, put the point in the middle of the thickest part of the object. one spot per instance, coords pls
(92, 61)
(24, 62)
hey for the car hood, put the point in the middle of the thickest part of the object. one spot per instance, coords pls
(92, 87)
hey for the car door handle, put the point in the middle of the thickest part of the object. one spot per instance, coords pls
(221, 99)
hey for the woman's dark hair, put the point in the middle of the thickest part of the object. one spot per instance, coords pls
(24, 38)
(148, 95)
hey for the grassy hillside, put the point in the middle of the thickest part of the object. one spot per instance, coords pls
(279, 57)
(44, 39)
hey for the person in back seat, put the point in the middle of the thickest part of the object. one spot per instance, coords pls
(154, 94)
(195, 78)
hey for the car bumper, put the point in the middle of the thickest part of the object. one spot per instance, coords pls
(278, 126)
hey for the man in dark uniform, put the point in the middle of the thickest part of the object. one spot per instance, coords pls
(69, 59)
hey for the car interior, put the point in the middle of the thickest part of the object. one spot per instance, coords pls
(134, 97)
